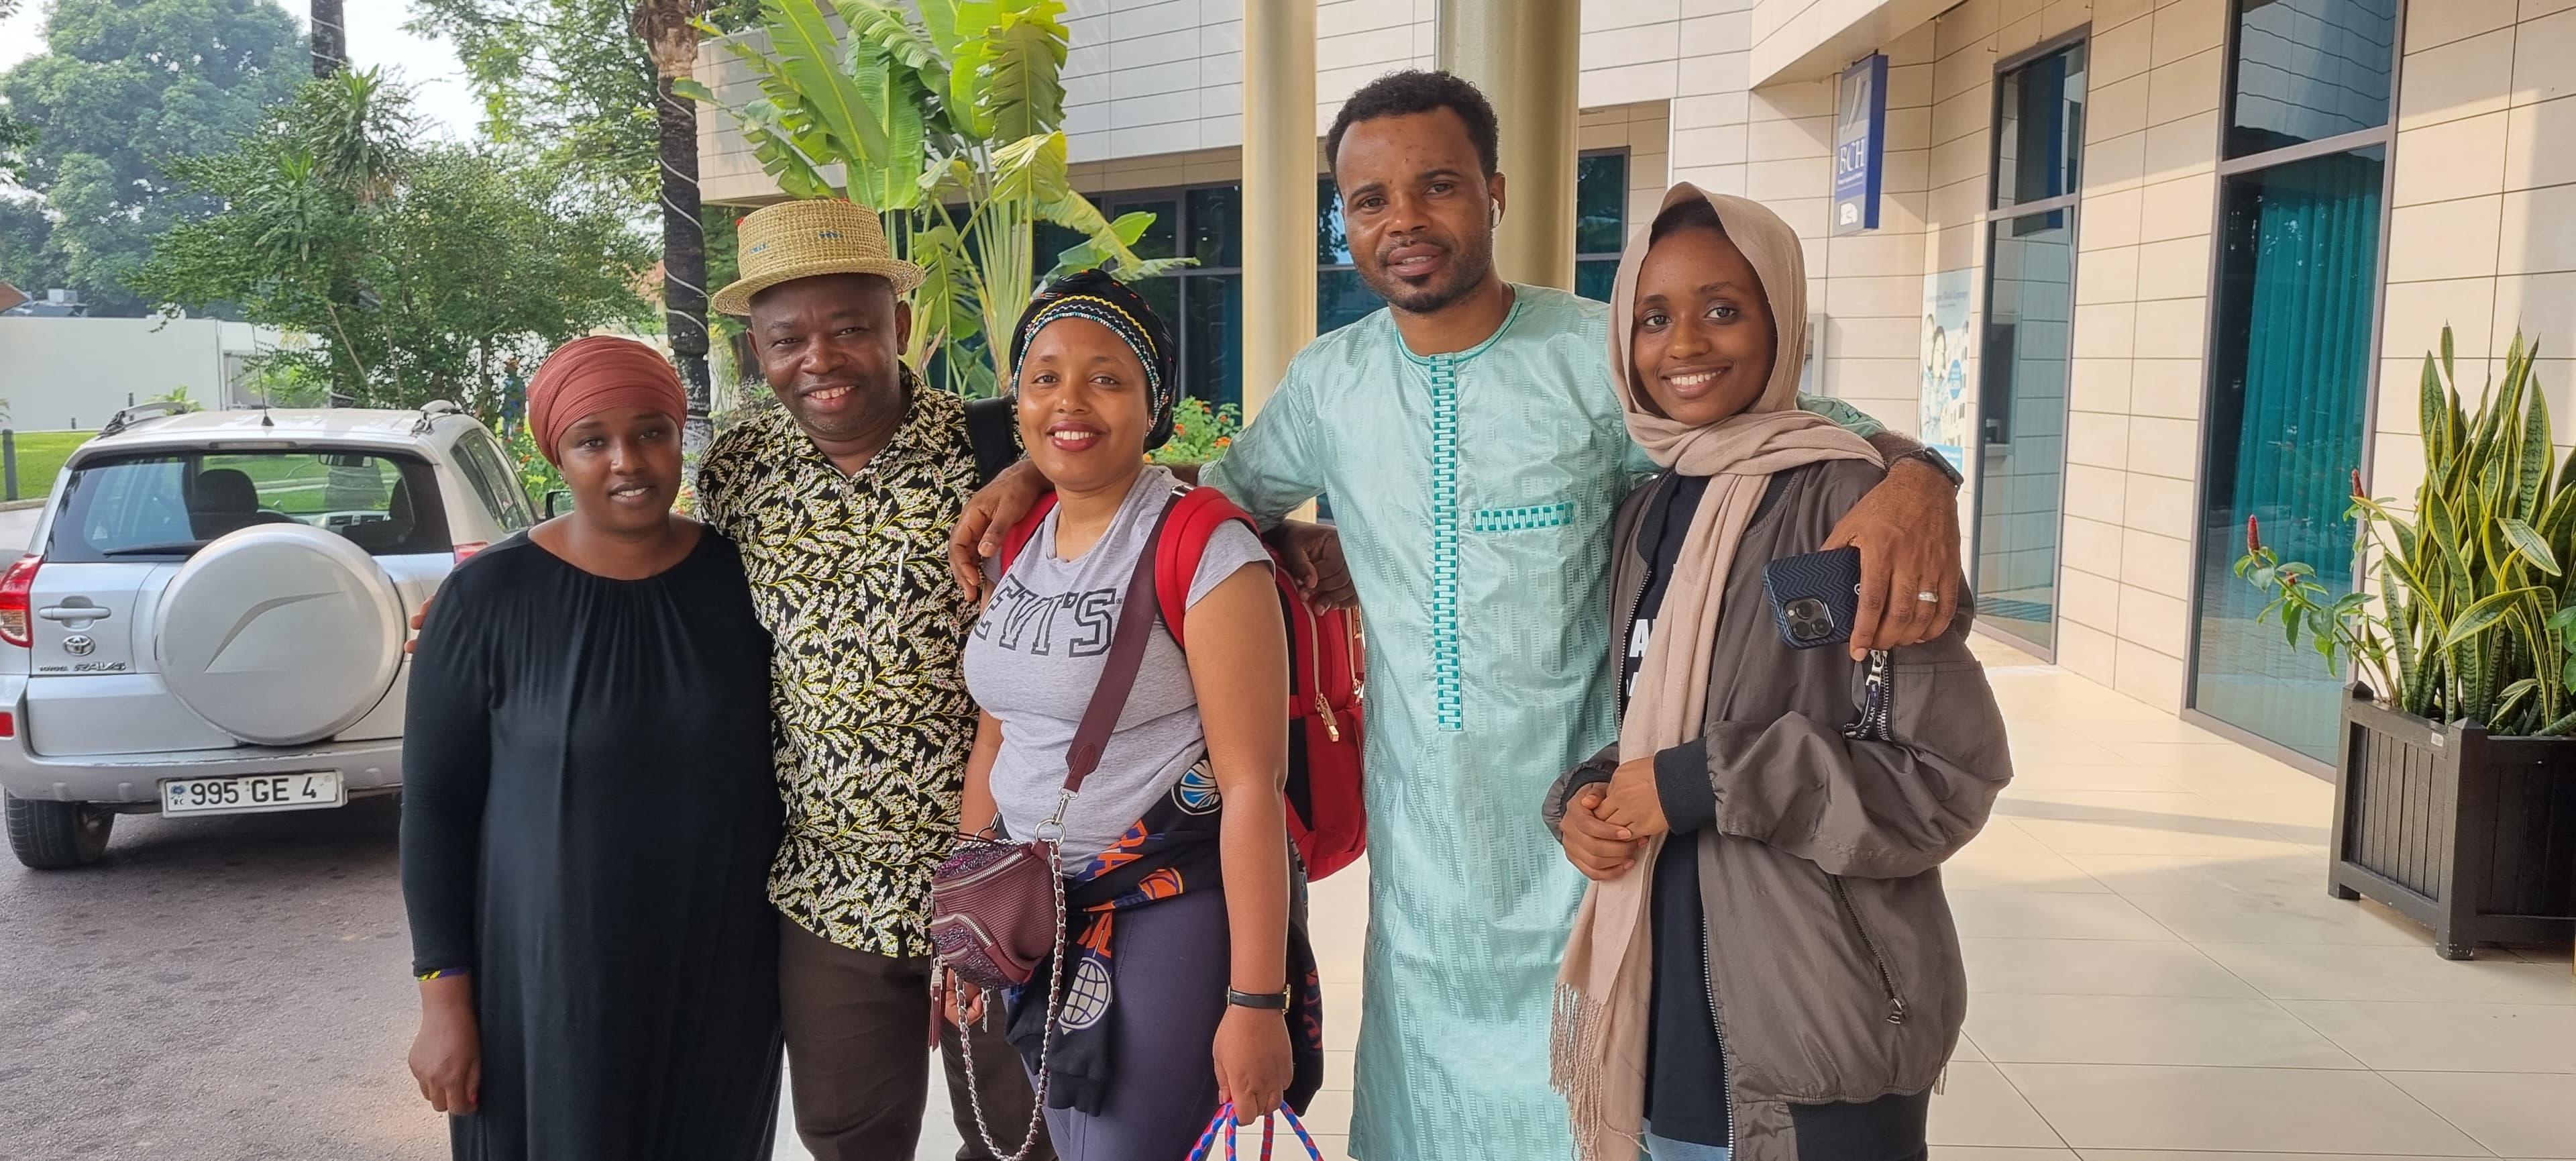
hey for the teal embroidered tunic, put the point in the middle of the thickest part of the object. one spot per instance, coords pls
(1474, 492)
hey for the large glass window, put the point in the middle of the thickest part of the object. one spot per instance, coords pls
(2039, 129)
(2028, 341)
(2290, 345)
(2307, 70)
(1203, 304)
(2289, 377)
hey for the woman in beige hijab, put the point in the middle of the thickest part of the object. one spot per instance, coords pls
(1764, 968)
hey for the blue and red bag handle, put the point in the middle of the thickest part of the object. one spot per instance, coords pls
(1224, 1124)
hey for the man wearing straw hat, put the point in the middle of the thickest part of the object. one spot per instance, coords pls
(841, 501)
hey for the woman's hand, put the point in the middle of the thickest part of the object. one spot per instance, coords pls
(961, 1002)
(447, 1054)
(1597, 848)
(1253, 1064)
(1634, 805)
(416, 618)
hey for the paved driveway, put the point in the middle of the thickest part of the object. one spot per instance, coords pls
(219, 989)
(2158, 977)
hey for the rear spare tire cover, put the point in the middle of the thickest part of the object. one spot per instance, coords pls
(280, 634)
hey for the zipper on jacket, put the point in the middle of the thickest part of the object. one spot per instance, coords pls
(1877, 959)
(1877, 703)
(1716, 1023)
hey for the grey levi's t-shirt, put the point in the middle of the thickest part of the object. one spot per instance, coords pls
(1036, 655)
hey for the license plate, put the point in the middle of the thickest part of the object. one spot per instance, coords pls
(252, 794)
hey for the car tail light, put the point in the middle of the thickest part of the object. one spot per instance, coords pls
(8, 724)
(16, 587)
(469, 548)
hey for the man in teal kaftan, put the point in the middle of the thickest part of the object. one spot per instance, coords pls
(1474, 491)
(1474, 455)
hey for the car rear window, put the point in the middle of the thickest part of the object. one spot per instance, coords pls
(167, 505)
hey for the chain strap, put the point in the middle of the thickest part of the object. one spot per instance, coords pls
(1046, 1038)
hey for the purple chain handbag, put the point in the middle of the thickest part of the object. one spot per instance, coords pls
(997, 906)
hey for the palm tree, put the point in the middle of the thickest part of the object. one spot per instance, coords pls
(330, 39)
(670, 33)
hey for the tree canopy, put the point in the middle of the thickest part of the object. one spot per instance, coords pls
(123, 90)
(419, 269)
(567, 77)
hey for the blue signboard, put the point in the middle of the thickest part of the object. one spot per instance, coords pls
(1860, 144)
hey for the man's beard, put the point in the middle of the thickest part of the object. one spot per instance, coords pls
(1468, 266)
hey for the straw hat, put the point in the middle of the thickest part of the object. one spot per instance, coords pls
(803, 239)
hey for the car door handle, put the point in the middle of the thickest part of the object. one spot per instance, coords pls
(74, 613)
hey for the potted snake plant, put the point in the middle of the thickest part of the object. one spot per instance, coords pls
(2455, 785)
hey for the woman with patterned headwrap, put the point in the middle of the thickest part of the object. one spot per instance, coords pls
(589, 812)
(1188, 981)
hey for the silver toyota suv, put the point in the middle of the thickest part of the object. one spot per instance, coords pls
(211, 617)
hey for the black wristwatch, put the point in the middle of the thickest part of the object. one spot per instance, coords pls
(1940, 463)
(1266, 1001)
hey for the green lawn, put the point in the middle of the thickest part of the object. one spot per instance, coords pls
(40, 459)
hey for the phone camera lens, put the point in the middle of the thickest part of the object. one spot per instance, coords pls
(1809, 619)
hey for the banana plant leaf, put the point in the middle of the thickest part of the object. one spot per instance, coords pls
(809, 56)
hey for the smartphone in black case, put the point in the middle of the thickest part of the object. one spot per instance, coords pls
(1815, 597)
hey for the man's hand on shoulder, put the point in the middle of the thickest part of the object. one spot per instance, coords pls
(1313, 556)
(988, 518)
(1907, 530)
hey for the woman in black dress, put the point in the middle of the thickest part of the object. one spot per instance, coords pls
(589, 811)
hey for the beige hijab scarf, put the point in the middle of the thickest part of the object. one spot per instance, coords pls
(1597, 1052)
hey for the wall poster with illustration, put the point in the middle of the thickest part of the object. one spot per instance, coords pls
(1944, 369)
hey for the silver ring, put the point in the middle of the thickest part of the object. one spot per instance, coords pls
(1928, 597)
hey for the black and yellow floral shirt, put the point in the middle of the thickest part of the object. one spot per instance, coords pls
(850, 574)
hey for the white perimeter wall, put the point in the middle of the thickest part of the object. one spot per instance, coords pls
(64, 373)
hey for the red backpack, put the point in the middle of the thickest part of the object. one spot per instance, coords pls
(1327, 819)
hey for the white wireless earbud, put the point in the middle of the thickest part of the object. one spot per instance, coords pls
(1498, 213)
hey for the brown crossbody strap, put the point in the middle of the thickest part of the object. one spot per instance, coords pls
(1126, 656)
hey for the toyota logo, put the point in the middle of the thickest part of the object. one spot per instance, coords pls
(79, 645)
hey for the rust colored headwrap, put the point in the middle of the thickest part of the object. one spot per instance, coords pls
(589, 375)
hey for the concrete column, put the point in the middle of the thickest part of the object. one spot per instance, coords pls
(1525, 55)
(1278, 191)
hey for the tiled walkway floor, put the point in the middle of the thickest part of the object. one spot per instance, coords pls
(2159, 976)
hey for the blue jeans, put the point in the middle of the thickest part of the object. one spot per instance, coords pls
(1666, 1149)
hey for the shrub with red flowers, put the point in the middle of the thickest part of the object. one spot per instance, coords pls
(1199, 433)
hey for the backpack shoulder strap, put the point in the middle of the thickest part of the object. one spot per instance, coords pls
(1196, 515)
(1018, 537)
(992, 430)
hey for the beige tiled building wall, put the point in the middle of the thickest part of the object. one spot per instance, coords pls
(1778, 149)
(1155, 78)
(2142, 305)
(2482, 233)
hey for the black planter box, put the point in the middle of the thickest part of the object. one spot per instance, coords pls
(2471, 835)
